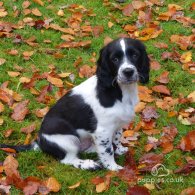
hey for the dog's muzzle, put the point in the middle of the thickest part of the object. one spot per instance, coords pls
(127, 75)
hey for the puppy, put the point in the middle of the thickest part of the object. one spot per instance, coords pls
(90, 117)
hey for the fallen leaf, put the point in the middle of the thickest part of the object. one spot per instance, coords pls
(187, 168)
(10, 165)
(8, 132)
(187, 142)
(86, 71)
(138, 5)
(1, 107)
(5, 189)
(191, 96)
(97, 180)
(8, 150)
(149, 113)
(161, 89)
(137, 190)
(52, 184)
(145, 94)
(55, 81)
(40, 2)
(148, 161)
(186, 57)
(1, 121)
(42, 112)
(2, 61)
(161, 45)
(36, 12)
(188, 191)
(163, 78)
(75, 185)
(139, 107)
(13, 52)
(127, 10)
(28, 129)
(20, 111)
(13, 74)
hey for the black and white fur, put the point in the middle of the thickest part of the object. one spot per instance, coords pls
(91, 116)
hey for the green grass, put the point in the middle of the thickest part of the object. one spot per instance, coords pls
(180, 82)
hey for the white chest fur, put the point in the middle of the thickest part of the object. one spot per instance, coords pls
(120, 114)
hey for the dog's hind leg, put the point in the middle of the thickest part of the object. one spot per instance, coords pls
(70, 145)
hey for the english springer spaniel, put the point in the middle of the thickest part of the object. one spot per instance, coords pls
(90, 117)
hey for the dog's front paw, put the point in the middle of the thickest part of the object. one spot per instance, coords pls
(114, 167)
(121, 150)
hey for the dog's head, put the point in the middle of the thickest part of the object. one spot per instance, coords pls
(123, 60)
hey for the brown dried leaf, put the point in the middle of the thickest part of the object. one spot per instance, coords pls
(149, 113)
(29, 129)
(20, 111)
(8, 132)
(138, 5)
(190, 190)
(187, 168)
(86, 71)
(161, 45)
(187, 142)
(10, 165)
(127, 10)
(42, 112)
(137, 190)
(161, 89)
(155, 65)
(148, 161)
(55, 81)
(163, 78)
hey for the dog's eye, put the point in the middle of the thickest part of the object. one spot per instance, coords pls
(135, 56)
(115, 59)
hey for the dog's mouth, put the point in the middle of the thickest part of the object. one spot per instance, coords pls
(127, 81)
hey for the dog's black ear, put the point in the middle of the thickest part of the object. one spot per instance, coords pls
(103, 71)
(144, 66)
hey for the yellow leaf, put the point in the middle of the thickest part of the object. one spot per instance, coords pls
(186, 57)
(52, 184)
(192, 96)
(101, 187)
(75, 185)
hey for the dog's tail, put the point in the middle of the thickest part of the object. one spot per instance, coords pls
(20, 148)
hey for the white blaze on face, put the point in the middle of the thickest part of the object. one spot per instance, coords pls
(122, 43)
(125, 63)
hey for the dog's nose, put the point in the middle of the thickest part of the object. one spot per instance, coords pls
(128, 72)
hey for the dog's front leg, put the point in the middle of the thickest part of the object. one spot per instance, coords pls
(105, 151)
(116, 141)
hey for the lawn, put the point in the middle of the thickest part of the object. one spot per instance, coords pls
(31, 44)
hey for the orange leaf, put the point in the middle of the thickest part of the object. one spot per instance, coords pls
(8, 150)
(187, 142)
(52, 184)
(161, 89)
(55, 81)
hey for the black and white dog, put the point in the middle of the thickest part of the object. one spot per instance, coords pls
(91, 116)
